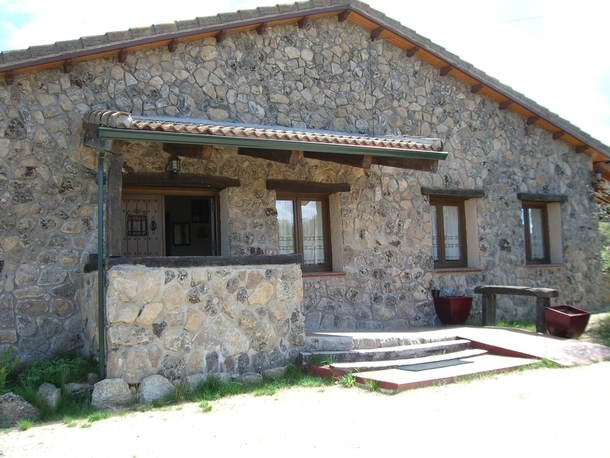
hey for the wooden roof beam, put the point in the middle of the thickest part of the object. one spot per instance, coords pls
(476, 88)
(122, 56)
(204, 153)
(9, 77)
(67, 65)
(504, 105)
(557, 135)
(532, 120)
(302, 23)
(282, 156)
(581, 149)
(343, 16)
(412, 51)
(375, 33)
(262, 28)
(221, 36)
(172, 45)
(445, 70)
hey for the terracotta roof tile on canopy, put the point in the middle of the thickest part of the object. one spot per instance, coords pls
(123, 120)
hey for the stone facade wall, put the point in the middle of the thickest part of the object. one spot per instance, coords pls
(329, 75)
(179, 322)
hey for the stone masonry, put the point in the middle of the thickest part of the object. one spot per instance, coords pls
(179, 322)
(328, 75)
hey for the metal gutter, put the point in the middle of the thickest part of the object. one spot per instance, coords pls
(273, 144)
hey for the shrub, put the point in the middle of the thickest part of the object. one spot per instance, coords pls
(7, 363)
(57, 371)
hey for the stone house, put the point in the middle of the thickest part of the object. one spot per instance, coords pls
(313, 166)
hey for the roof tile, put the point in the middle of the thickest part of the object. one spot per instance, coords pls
(95, 40)
(160, 29)
(248, 14)
(187, 24)
(142, 32)
(123, 120)
(43, 50)
(17, 55)
(229, 17)
(124, 35)
(209, 20)
(268, 10)
(69, 45)
(288, 8)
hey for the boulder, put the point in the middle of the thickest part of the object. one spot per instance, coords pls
(78, 391)
(251, 378)
(155, 387)
(14, 408)
(50, 395)
(111, 393)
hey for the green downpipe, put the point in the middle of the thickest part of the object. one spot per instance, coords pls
(101, 318)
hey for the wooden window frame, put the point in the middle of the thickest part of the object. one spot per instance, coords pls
(296, 199)
(545, 232)
(439, 203)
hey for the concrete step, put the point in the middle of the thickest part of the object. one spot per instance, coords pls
(396, 380)
(364, 366)
(384, 354)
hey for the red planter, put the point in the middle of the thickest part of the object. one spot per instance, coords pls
(565, 321)
(452, 310)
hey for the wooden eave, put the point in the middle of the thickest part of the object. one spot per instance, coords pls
(425, 51)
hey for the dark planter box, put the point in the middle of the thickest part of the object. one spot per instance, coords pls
(566, 321)
(452, 310)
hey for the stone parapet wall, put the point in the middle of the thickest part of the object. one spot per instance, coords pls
(183, 321)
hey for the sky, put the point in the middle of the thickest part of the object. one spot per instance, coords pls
(552, 51)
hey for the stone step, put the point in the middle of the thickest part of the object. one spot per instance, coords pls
(385, 353)
(364, 366)
(335, 341)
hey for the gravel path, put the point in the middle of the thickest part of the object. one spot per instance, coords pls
(543, 412)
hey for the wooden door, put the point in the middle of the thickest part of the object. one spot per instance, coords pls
(143, 226)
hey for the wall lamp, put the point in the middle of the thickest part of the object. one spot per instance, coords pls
(173, 167)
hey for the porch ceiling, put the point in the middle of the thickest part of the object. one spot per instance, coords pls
(353, 149)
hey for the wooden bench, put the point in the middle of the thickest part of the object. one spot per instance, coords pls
(543, 299)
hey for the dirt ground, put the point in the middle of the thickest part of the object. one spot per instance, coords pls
(543, 412)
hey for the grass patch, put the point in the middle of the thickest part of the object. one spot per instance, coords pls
(73, 413)
(97, 416)
(24, 425)
(526, 325)
(348, 380)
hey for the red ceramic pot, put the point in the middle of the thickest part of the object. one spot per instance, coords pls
(565, 321)
(452, 310)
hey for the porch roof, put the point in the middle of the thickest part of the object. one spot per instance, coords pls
(398, 151)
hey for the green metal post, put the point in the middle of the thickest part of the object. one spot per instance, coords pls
(101, 318)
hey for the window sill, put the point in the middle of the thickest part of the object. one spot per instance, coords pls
(458, 270)
(323, 274)
(545, 266)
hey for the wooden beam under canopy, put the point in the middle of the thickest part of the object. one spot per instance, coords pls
(307, 186)
(200, 152)
(283, 156)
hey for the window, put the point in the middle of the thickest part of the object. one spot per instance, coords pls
(448, 233)
(303, 221)
(535, 221)
(541, 219)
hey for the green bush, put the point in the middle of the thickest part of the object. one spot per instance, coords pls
(57, 371)
(7, 363)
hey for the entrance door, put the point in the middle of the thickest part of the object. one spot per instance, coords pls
(169, 225)
(143, 226)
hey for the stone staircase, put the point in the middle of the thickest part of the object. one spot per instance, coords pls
(396, 363)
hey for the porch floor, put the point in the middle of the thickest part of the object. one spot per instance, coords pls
(507, 349)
